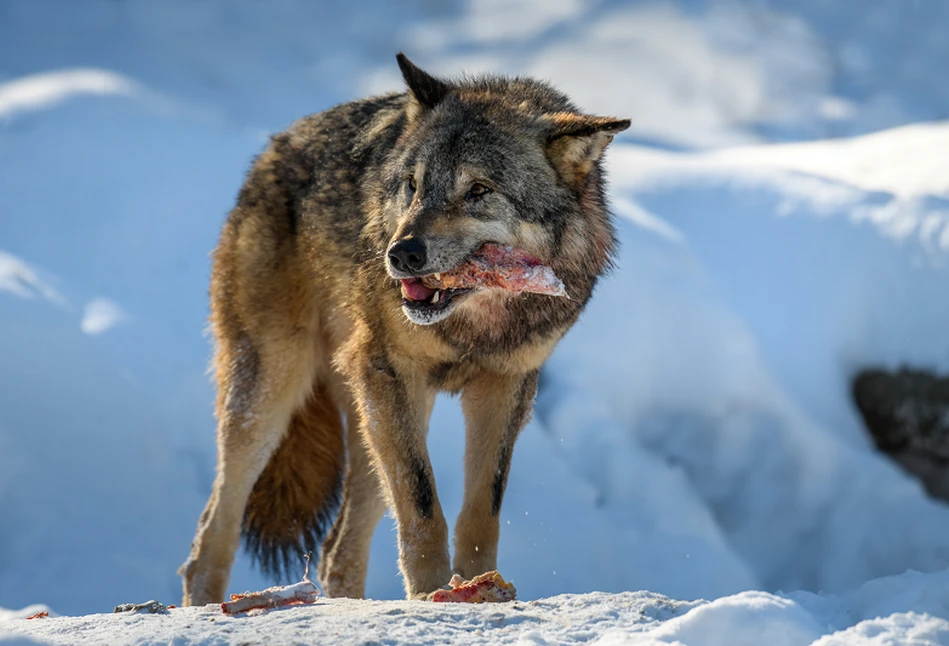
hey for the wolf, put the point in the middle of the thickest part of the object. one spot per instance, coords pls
(328, 355)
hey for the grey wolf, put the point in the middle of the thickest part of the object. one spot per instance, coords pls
(327, 366)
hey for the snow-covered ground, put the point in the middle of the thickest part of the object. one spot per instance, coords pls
(903, 610)
(693, 436)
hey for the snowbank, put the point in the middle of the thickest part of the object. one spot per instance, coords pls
(731, 333)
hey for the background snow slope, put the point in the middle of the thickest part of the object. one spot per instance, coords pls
(693, 436)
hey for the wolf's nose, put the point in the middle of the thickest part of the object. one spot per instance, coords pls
(408, 255)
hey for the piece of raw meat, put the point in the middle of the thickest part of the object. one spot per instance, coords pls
(489, 587)
(500, 267)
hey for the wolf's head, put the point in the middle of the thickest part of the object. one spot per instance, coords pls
(489, 159)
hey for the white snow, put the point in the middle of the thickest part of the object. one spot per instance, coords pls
(729, 349)
(20, 279)
(627, 618)
(783, 212)
(50, 88)
(101, 314)
(894, 179)
(693, 79)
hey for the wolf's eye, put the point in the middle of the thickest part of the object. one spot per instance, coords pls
(477, 190)
(410, 182)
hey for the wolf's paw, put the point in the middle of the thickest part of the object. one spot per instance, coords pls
(489, 587)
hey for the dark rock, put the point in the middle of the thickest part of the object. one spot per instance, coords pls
(151, 607)
(907, 414)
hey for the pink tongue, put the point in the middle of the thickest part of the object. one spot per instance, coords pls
(414, 290)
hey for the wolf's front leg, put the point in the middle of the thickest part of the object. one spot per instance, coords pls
(496, 408)
(395, 408)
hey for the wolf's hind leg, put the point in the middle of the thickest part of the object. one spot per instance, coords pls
(257, 399)
(345, 557)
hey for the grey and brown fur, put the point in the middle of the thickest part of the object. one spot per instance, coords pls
(326, 380)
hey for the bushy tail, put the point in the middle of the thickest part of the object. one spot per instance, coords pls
(294, 502)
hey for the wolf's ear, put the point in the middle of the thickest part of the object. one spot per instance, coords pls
(576, 141)
(426, 90)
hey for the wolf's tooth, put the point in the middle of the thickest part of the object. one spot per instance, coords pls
(435, 297)
(437, 276)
